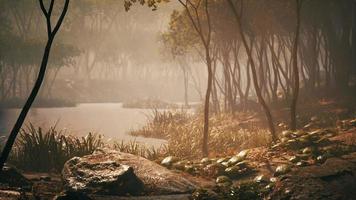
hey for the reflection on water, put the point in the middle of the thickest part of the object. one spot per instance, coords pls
(109, 119)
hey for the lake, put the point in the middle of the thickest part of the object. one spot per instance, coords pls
(109, 119)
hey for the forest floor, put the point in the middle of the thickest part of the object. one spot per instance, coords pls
(305, 176)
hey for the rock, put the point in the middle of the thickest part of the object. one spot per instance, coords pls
(70, 195)
(299, 133)
(205, 161)
(335, 179)
(46, 189)
(222, 179)
(179, 165)
(226, 164)
(242, 164)
(281, 170)
(284, 139)
(234, 160)
(261, 179)
(97, 174)
(270, 186)
(12, 195)
(204, 194)
(221, 160)
(224, 185)
(287, 134)
(321, 159)
(232, 172)
(307, 150)
(189, 169)
(168, 161)
(11, 177)
(273, 179)
(156, 178)
(302, 163)
(215, 169)
(242, 154)
(293, 159)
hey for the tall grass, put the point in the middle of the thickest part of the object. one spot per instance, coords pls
(161, 122)
(136, 148)
(42, 150)
(45, 150)
(184, 133)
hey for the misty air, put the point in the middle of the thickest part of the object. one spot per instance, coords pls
(177, 99)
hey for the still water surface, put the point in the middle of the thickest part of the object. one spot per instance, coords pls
(109, 119)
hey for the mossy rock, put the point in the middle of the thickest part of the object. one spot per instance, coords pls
(299, 133)
(302, 163)
(233, 171)
(189, 169)
(282, 169)
(204, 194)
(287, 133)
(284, 140)
(221, 160)
(222, 179)
(243, 154)
(168, 161)
(245, 191)
(294, 159)
(307, 150)
(242, 164)
(235, 159)
(179, 165)
(205, 161)
(226, 164)
(261, 179)
(214, 170)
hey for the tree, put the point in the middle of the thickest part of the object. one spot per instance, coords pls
(51, 32)
(253, 69)
(295, 68)
(195, 14)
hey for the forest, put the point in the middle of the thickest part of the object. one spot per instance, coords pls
(177, 99)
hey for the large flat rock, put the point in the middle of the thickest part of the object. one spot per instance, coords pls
(108, 164)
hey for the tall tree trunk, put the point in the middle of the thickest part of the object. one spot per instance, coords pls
(206, 106)
(20, 120)
(293, 122)
(254, 74)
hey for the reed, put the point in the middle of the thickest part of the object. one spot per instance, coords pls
(184, 133)
(47, 150)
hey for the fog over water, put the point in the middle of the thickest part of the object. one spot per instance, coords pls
(108, 119)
